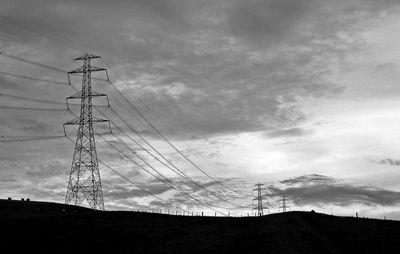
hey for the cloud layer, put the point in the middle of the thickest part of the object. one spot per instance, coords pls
(206, 68)
(323, 190)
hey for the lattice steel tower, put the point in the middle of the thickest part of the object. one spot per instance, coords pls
(285, 203)
(260, 209)
(84, 180)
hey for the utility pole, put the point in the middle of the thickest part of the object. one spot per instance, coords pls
(260, 209)
(285, 203)
(84, 180)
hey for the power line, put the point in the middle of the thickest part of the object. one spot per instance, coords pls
(163, 137)
(166, 179)
(155, 170)
(32, 62)
(33, 109)
(27, 138)
(34, 46)
(45, 66)
(175, 169)
(23, 98)
(124, 143)
(38, 32)
(166, 140)
(138, 186)
(33, 78)
(135, 162)
(158, 132)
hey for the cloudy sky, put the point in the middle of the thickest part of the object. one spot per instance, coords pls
(301, 95)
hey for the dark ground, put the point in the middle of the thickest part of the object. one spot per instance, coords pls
(57, 228)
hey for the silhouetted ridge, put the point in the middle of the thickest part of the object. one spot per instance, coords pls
(52, 227)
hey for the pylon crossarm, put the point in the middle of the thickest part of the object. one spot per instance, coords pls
(108, 78)
(66, 100)
(83, 69)
(78, 95)
(109, 125)
(74, 121)
(77, 121)
(108, 102)
(97, 120)
(75, 96)
(86, 56)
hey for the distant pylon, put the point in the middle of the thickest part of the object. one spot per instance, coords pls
(285, 203)
(84, 180)
(260, 208)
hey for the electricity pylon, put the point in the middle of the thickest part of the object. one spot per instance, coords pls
(84, 180)
(285, 203)
(260, 209)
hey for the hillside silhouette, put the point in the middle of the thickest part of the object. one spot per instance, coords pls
(56, 228)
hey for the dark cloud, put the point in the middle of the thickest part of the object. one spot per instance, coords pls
(386, 67)
(342, 195)
(270, 22)
(9, 180)
(183, 61)
(309, 179)
(323, 190)
(390, 162)
(292, 132)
